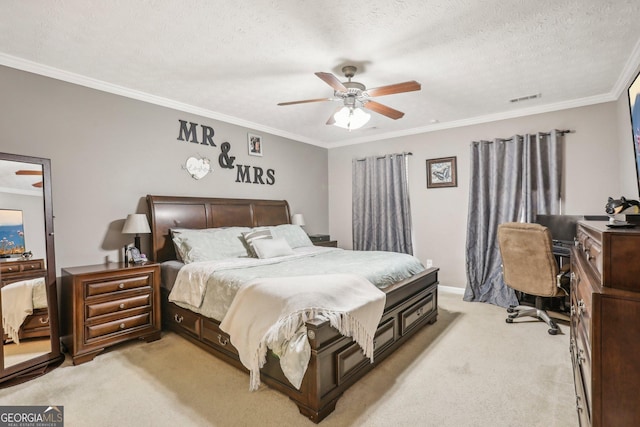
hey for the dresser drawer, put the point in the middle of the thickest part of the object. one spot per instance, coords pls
(105, 330)
(124, 283)
(590, 249)
(9, 267)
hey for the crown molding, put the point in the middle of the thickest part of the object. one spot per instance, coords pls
(66, 76)
(44, 70)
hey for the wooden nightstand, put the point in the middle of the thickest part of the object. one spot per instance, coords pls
(107, 304)
(329, 243)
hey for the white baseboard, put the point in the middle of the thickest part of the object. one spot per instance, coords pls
(451, 289)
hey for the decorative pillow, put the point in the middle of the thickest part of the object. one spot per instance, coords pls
(209, 244)
(293, 234)
(270, 248)
(253, 236)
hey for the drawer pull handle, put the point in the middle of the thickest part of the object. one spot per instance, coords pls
(44, 320)
(10, 269)
(178, 318)
(578, 405)
(122, 325)
(122, 306)
(420, 312)
(121, 285)
(222, 341)
(375, 344)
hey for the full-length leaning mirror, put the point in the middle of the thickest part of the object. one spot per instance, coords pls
(30, 344)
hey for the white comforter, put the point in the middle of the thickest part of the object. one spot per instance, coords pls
(210, 287)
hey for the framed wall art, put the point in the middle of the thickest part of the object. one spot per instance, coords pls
(255, 144)
(442, 172)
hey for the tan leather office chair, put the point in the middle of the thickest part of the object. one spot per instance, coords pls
(529, 266)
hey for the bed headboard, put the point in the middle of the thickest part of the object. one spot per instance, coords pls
(168, 212)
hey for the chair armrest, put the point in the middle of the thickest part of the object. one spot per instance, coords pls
(563, 278)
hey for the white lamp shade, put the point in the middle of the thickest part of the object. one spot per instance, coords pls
(297, 219)
(351, 118)
(136, 224)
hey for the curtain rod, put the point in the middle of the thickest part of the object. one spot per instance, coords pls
(561, 132)
(382, 157)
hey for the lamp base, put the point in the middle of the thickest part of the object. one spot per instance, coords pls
(136, 242)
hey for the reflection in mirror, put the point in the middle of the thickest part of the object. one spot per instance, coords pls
(23, 269)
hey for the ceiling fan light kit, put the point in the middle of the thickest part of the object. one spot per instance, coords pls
(355, 98)
(351, 118)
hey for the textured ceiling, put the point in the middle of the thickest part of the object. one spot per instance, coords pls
(234, 61)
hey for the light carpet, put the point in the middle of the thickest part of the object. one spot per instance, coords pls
(468, 369)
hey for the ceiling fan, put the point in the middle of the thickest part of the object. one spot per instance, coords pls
(356, 96)
(31, 172)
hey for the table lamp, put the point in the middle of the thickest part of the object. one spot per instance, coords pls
(298, 219)
(136, 224)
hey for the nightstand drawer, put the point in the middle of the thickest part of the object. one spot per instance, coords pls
(119, 284)
(118, 305)
(118, 326)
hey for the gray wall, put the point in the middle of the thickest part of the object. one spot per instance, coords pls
(598, 164)
(108, 152)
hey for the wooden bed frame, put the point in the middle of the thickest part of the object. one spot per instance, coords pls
(336, 361)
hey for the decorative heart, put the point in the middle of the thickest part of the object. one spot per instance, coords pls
(198, 168)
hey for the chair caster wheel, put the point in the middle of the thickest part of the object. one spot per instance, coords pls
(510, 310)
(508, 320)
(553, 332)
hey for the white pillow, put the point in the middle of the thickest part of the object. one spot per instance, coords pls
(209, 244)
(271, 248)
(254, 235)
(293, 234)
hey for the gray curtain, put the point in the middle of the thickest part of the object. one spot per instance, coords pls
(511, 180)
(381, 210)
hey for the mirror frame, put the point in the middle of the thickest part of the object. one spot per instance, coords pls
(39, 365)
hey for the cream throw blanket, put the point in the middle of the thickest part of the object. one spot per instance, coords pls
(17, 304)
(267, 311)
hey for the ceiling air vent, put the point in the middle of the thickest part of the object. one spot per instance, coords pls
(526, 98)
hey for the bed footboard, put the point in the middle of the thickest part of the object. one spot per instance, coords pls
(336, 361)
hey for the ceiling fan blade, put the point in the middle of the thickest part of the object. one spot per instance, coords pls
(37, 184)
(391, 89)
(28, 172)
(383, 109)
(332, 81)
(305, 101)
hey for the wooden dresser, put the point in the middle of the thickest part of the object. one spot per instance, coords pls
(107, 304)
(605, 324)
(12, 270)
